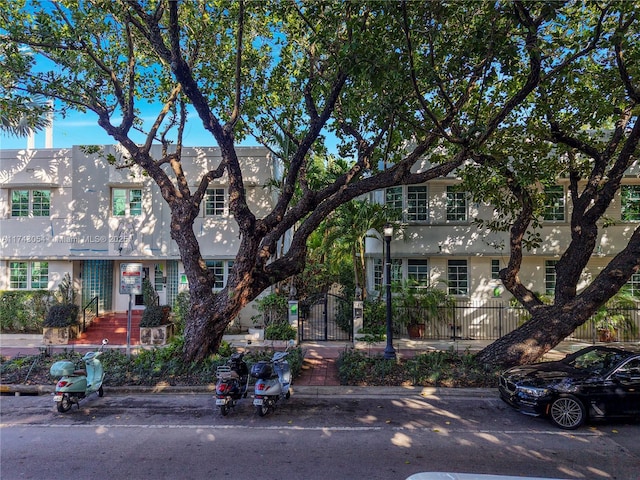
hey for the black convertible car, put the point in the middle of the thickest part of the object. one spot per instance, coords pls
(595, 382)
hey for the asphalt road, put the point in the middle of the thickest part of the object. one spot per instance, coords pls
(179, 436)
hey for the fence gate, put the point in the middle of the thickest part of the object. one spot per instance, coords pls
(325, 317)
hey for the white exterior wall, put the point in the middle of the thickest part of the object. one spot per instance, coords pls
(80, 225)
(438, 240)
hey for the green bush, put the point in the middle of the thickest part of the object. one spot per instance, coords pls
(62, 316)
(155, 315)
(280, 331)
(180, 311)
(23, 312)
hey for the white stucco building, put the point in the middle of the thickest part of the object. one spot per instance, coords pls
(63, 211)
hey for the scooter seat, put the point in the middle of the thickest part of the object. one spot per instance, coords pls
(80, 372)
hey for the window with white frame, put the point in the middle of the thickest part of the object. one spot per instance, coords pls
(554, 204)
(495, 269)
(456, 204)
(633, 285)
(28, 275)
(550, 277)
(458, 277)
(378, 274)
(126, 202)
(214, 202)
(417, 203)
(393, 198)
(30, 203)
(630, 203)
(220, 269)
(418, 271)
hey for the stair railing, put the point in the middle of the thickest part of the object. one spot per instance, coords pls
(89, 307)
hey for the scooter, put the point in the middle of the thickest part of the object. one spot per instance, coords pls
(232, 382)
(273, 381)
(77, 383)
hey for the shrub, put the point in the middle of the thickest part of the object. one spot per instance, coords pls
(280, 331)
(23, 311)
(62, 316)
(155, 315)
(180, 311)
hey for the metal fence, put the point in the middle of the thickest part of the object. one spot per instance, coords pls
(492, 320)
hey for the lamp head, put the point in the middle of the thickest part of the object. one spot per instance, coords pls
(388, 231)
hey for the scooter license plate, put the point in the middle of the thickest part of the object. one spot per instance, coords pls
(57, 398)
(221, 401)
(257, 401)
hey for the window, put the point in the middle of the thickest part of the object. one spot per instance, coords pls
(458, 277)
(378, 274)
(418, 271)
(554, 204)
(24, 275)
(30, 203)
(393, 198)
(634, 285)
(417, 203)
(495, 269)
(456, 204)
(396, 271)
(126, 202)
(214, 202)
(630, 200)
(217, 268)
(550, 277)
(220, 268)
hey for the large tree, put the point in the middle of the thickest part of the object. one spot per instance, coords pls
(395, 82)
(580, 125)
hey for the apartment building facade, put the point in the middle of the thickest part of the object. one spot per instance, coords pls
(438, 243)
(63, 211)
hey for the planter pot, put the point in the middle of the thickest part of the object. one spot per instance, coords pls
(56, 335)
(258, 333)
(156, 335)
(416, 330)
(607, 335)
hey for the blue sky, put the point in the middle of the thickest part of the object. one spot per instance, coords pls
(82, 129)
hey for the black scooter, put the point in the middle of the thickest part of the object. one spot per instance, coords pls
(232, 382)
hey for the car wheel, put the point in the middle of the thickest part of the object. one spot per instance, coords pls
(567, 412)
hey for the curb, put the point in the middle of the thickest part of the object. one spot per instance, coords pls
(301, 391)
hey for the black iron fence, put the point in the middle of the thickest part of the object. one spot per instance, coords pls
(492, 320)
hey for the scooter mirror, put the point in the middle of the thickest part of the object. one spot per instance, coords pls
(105, 341)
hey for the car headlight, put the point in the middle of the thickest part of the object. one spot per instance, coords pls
(533, 391)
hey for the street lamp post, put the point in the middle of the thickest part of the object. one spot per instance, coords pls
(389, 351)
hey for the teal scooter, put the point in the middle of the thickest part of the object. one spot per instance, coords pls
(77, 383)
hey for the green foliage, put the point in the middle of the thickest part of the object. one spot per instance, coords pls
(414, 303)
(435, 369)
(155, 315)
(149, 295)
(280, 331)
(180, 311)
(273, 308)
(62, 315)
(66, 294)
(23, 311)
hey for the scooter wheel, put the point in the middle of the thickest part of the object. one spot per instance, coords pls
(262, 410)
(100, 391)
(64, 405)
(224, 410)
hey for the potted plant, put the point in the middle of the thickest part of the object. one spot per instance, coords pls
(60, 324)
(418, 305)
(155, 325)
(613, 320)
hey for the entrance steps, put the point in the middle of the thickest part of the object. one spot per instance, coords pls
(113, 326)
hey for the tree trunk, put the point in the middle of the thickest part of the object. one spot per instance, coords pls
(548, 326)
